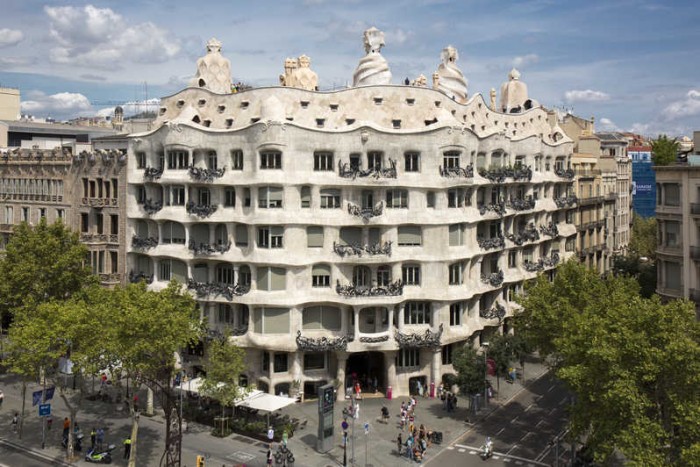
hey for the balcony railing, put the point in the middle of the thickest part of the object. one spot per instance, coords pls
(499, 175)
(111, 278)
(99, 202)
(528, 234)
(207, 289)
(518, 204)
(564, 173)
(550, 230)
(200, 210)
(378, 248)
(494, 279)
(565, 201)
(590, 200)
(201, 248)
(347, 170)
(465, 172)
(496, 311)
(321, 344)
(366, 213)
(206, 175)
(152, 173)
(428, 339)
(491, 243)
(352, 290)
(542, 263)
(102, 238)
(135, 277)
(499, 208)
(151, 207)
(143, 243)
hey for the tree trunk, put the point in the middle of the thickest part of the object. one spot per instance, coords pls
(24, 399)
(149, 401)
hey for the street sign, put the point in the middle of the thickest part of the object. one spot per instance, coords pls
(36, 397)
(44, 410)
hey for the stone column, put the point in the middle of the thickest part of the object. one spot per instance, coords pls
(435, 368)
(356, 330)
(390, 370)
(342, 358)
(399, 325)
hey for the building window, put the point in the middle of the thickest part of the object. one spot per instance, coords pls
(140, 160)
(397, 198)
(225, 314)
(236, 159)
(60, 214)
(672, 234)
(321, 275)
(241, 235)
(173, 232)
(330, 198)
(230, 197)
(450, 160)
(512, 259)
(321, 317)
(172, 269)
(672, 194)
(224, 274)
(447, 354)
(456, 314)
(408, 358)
(416, 313)
(178, 160)
(84, 222)
(323, 161)
(140, 194)
(455, 198)
(315, 361)
(113, 262)
(411, 162)
(42, 213)
(114, 224)
(212, 160)
(410, 274)
(314, 236)
(272, 278)
(455, 271)
(306, 196)
(374, 160)
(430, 199)
(266, 361)
(177, 195)
(270, 197)
(270, 237)
(25, 215)
(361, 276)
(271, 321)
(271, 160)
(456, 234)
(383, 276)
(281, 362)
(410, 235)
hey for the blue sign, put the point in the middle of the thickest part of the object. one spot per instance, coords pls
(49, 393)
(36, 397)
(44, 410)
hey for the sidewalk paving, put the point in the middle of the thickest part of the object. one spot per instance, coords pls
(379, 446)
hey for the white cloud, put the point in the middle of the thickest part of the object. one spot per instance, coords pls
(10, 37)
(61, 105)
(523, 61)
(397, 37)
(588, 95)
(606, 124)
(100, 37)
(687, 107)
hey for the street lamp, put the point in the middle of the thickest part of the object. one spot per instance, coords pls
(485, 345)
(345, 443)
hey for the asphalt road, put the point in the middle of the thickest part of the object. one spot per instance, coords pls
(521, 431)
(9, 457)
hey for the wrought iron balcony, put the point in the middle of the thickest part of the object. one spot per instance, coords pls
(101, 238)
(205, 175)
(151, 207)
(542, 263)
(566, 201)
(374, 339)
(499, 175)
(206, 289)
(518, 204)
(551, 260)
(346, 170)
(528, 234)
(564, 173)
(140, 276)
(200, 210)
(466, 172)
(531, 266)
(201, 248)
(152, 173)
(499, 208)
(378, 248)
(550, 230)
(495, 279)
(496, 311)
(143, 243)
(590, 200)
(491, 243)
(416, 340)
(321, 344)
(352, 290)
(366, 213)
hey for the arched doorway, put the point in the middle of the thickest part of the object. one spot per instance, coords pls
(366, 367)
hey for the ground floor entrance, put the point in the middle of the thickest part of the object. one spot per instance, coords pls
(367, 369)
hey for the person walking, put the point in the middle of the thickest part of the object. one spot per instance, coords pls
(270, 435)
(127, 447)
(15, 421)
(2, 398)
(285, 437)
(399, 444)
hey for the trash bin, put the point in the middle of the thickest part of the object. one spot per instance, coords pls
(432, 389)
(388, 392)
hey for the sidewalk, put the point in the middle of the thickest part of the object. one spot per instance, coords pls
(379, 446)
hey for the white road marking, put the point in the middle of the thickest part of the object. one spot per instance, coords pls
(458, 450)
(563, 401)
(528, 407)
(551, 387)
(505, 457)
(450, 448)
(525, 435)
(514, 420)
(500, 431)
(513, 447)
(539, 423)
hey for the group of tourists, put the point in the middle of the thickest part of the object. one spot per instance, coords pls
(418, 439)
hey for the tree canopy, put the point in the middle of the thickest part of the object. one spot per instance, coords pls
(639, 262)
(633, 363)
(470, 368)
(664, 151)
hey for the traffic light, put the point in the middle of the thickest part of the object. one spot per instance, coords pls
(200, 461)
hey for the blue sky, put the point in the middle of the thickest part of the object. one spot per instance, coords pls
(632, 64)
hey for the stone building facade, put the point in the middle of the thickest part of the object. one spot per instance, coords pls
(362, 233)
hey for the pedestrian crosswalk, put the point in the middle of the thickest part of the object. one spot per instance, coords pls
(503, 457)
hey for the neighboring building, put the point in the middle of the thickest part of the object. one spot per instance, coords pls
(643, 181)
(369, 231)
(9, 104)
(47, 136)
(615, 145)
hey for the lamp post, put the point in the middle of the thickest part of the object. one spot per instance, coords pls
(486, 372)
(345, 443)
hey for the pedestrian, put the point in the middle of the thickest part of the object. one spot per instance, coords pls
(419, 388)
(2, 398)
(409, 447)
(93, 436)
(127, 447)
(285, 437)
(270, 435)
(49, 422)
(403, 419)
(136, 403)
(269, 457)
(66, 427)
(15, 421)
(100, 435)
(399, 443)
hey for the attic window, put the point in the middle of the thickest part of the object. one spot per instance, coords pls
(180, 103)
(396, 124)
(483, 127)
(495, 122)
(254, 119)
(207, 123)
(244, 104)
(506, 124)
(304, 104)
(473, 114)
(221, 108)
(514, 131)
(291, 119)
(473, 127)
(378, 100)
(430, 122)
(454, 112)
(334, 107)
(320, 122)
(201, 102)
(487, 115)
(349, 121)
(196, 119)
(479, 105)
(163, 110)
(437, 103)
(229, 122)
(410, 101)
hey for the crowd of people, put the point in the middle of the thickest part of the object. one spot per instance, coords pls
(418, 438)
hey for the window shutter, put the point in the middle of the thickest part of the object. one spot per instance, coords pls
(314, 236)
(351, 236)
(410, 235)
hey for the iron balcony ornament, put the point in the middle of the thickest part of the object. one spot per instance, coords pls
(206, 175)
(528, 234)
(352, 290)
(496, 311)
(498, 207)
(518, 204)
(491, 243)
(205, 289)
(366, 213)
(200, 210)
(321, 344)
(378, 248)
(151, 207)
(542, 263)
(143, 243)
(152, 173)
(495, 279)
(140, 276)
(564, 173)
(466, 172)
(374, 340)
(565, 201)
(499, 174)
(233, 332)
(551, 261)
(418, 340)
(346, 170)
(550, 230)
(535, 266)
(207, 248)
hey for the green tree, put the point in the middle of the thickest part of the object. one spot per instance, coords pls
(224, 363)
(633, 364)
(643, 237)
(41, 263)
(640, 260)
(470, 368)
(664, 151)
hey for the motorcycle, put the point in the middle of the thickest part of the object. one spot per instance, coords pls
(486, 451)
(97, 456)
